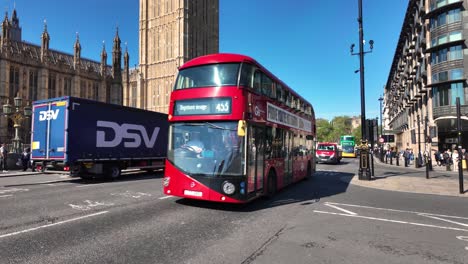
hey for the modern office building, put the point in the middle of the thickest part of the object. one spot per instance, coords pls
(171, 33)
(427, 76)
(34, 72)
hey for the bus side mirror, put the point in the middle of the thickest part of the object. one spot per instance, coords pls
(309, 137)
(241, 128)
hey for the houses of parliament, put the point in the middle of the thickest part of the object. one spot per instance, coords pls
(171, 32)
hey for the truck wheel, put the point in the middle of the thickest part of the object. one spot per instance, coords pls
(40, 167)
(114, 172)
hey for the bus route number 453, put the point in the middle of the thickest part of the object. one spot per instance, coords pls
(222, 107)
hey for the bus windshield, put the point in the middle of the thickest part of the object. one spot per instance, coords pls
(208, 76)
(207, 149)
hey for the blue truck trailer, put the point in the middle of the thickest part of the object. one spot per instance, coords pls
(95, 139)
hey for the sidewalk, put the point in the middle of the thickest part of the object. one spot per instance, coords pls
(13, 173)
(440, 182)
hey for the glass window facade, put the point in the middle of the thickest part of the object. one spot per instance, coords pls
(445, 95)
(450, 37)
(445, 18)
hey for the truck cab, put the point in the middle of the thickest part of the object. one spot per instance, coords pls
(328, 152)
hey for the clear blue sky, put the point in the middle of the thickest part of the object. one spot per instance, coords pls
(306, 43)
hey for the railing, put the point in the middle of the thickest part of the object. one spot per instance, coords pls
(449, 110)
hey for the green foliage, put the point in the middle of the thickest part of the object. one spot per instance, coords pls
(338, 126)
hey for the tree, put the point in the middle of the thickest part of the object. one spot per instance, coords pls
(331, 131)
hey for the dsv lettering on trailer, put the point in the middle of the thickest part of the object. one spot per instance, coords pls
(48, 115)
(125, 132)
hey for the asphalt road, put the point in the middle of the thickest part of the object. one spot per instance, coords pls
(51, 219)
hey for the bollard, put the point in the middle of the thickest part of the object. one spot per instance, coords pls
(398, 160)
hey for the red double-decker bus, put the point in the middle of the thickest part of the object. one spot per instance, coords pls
(236, 131)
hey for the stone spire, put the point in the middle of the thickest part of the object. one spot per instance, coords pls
(77, 51)
(45, 39)
(116, 56)
(103, 59)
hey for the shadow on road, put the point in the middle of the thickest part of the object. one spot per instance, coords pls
(125, 177)
(306, 192)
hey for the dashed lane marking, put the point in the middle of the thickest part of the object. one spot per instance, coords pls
(165, 197)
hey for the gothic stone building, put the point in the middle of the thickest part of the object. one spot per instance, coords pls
(35, 72)
(171, 33)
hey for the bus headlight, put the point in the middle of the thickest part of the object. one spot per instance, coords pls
(228, 188)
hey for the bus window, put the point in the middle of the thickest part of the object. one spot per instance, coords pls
(267, 85)
(257, 81)
(279, 92)
(247, 75)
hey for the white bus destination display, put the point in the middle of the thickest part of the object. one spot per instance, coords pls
(209, 106)
(283, 117)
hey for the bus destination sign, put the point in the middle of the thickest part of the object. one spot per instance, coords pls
(206, 106)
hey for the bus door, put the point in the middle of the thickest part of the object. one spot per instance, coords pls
(256, 143)
(288, 162)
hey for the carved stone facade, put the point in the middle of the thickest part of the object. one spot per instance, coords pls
(35, 72)
(171, 33)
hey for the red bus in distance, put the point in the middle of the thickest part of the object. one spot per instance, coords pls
(236, 132)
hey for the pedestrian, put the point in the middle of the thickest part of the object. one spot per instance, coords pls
(4, 156)
(455, 160)
(437, 157)
(25, 158)
(465, 158)
(406, 155)
(411, 157)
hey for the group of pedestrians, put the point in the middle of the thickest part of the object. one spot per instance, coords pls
(449, 158)
(23, 161)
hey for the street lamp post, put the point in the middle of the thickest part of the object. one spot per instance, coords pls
(381, 120)
(381, 129)
(365, 158)
(418, 160)
(17, 115)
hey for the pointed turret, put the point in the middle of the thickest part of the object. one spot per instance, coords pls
(103, 59)
(126, 58)
(77, 51)
(5, 30)
(116, 87)
(116, 56)
(15, 27)
(45, 39)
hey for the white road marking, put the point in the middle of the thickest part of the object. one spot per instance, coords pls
(130, 194)
(13, 190)
(90, 185)
(394, 221)
(442, 219)
(7, 195)
(165, 197)
(463, 238)
(89, 205)
(53, 224)
(396, 210)
(340, 209)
